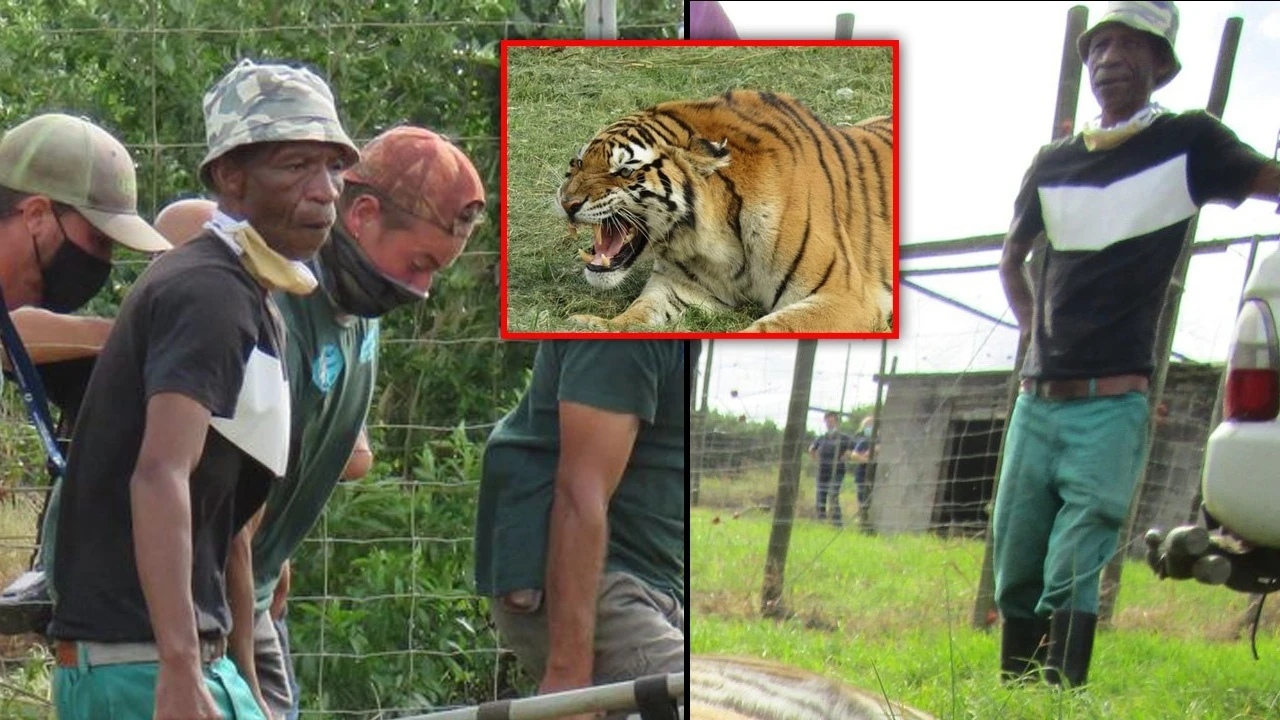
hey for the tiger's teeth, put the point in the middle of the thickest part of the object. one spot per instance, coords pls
(586, 256)
(604, 260)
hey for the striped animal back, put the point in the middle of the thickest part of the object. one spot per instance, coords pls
(726, 688)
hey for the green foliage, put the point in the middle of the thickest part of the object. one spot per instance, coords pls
(141, 69)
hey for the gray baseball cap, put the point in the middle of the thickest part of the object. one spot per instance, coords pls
(73, 161)
(270, 103)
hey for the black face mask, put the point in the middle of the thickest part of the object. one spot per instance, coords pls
(72, 277)
(356, 285)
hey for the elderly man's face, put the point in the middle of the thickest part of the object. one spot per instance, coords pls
(288, 192)
(1123, 66)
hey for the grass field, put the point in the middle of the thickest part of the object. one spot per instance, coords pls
(558, 98)
(892, 614)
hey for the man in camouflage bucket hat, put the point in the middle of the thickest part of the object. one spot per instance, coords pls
(1114, 203)
(406, 213)
(185, 422)
(250, 105)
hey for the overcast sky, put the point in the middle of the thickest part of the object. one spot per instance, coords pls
(978, 88)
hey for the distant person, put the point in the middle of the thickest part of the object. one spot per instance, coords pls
(830, 451)
(708, 21)
(862, 453)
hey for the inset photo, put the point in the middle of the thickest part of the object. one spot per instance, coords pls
(700, 189)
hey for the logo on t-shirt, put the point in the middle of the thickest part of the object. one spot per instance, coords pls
(327, 366)
(369, 347)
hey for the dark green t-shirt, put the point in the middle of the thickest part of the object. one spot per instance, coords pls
(332, 366)
(645, 378)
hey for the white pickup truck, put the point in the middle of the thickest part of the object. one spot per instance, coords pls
(1237, 541)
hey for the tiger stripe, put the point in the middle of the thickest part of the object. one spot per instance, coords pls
(734, 688)
(744, 198)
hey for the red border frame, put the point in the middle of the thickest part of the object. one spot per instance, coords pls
(506, 334)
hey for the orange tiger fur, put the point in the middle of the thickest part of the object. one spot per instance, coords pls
(747, 197)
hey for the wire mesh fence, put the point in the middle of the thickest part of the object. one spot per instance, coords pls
(383, 616)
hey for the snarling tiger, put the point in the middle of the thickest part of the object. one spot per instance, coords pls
(728, 688)
(747, 197)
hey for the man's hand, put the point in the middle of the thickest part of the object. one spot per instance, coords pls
(552, 684)
(361, 459)
(281, 594)
(181, 692)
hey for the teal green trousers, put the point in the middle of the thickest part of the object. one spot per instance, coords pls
(128, 692)
(1068, 474)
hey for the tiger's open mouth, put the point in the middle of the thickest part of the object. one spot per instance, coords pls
(616, 245)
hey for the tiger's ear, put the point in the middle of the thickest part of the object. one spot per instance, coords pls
(707, 157)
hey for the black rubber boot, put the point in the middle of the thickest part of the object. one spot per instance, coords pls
(1023, 647)
(1070, 648)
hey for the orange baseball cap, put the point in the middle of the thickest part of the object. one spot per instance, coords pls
(424, 174)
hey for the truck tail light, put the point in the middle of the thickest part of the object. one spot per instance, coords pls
(1253, 367)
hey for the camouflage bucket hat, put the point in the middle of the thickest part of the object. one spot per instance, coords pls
(424, 174)
(1156, 18)
(73, 161)
(270, 103)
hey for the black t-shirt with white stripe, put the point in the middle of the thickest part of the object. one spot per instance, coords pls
(198, 325)
(1115, 220)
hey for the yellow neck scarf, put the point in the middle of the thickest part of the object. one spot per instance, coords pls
(1097, 137)
(271, 269)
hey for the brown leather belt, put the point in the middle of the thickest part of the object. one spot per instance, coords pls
(68, 652)
(1085, 388)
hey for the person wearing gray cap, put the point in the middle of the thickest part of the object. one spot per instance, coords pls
(185, 421)
(68, 194)
(1114, 202)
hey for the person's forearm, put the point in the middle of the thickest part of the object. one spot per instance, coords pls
(161, 506)
(241, 598)
(575, 564)
(52, 337)
(1017, 291)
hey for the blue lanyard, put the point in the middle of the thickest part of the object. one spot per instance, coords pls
(32, 390)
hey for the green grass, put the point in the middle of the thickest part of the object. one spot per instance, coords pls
(892, 614)
(559, 98)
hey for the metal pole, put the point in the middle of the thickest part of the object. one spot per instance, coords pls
(844, 26)
(844, 387)
(1165, 330)
(610, 698)
(706, 374)
(698, 451)
(601, 19)
(784, 513)
(984, 607)
(875, 426)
